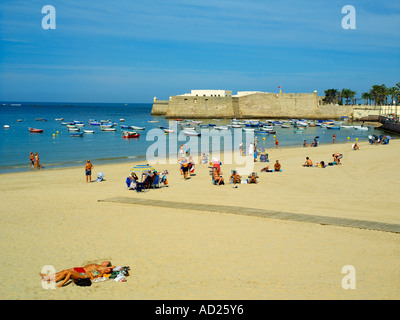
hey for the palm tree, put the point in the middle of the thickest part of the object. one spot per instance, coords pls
(331, 96)
(348, 95)
(366, 96)
(379, 93)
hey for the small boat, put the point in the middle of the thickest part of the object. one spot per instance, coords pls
(285, 126)
(188, 128)
(59, 119)
(191, 133)
(178, 119)
(347, 127)
(204, 126)
(105, 121)
(6, 126)
(211, 125)
(40, 119)
(236, 126)
(94, 123)
(333, 128)
(125, 127)
(19, 120)
(298, 131)
(107, 129)
(76, 134)
(74, 129)
(152, 121)
(248, 129)
(122, 120)
(261, 132)
(220, 128)
(80, 125)
(71, 126)
(88, 131)
(169, 130)
(131, 134)
(77, 122)
(137, 128)
(33, 130)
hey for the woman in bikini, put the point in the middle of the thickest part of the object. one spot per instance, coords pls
(91, 272)
(36, 163)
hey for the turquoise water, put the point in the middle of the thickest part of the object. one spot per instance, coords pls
(109, 147)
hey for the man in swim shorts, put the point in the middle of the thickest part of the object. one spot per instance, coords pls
(88, 171)
(308, 162)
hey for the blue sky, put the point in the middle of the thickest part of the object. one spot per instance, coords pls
(131, 51)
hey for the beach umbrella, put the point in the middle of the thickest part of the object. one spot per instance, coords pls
(388, 137)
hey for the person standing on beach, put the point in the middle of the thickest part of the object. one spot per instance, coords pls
(241, 148)
(36, 163)
(88, 171)
(333, 138)
(32, 160)
(276, 143)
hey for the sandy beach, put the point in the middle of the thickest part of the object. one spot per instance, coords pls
(53, 217)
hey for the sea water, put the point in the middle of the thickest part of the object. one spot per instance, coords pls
(56, 147)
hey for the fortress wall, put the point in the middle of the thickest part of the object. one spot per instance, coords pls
(256, 105)
(160, 107)
(200, 107)
(301, 105)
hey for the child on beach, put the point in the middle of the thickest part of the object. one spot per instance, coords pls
(88, 171)
(308, 162)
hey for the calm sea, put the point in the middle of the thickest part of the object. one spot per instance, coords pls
(62, 150)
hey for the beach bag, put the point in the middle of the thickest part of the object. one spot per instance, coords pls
(83, 282)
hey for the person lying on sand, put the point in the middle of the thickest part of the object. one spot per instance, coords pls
(266, 169)
(90, 271)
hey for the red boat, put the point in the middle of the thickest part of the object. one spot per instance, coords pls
(35, 130)
(131, 135)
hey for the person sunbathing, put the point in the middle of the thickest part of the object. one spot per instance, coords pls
(277, 166)
(308, 162)
(235, 177)
(217, 176)
(252, 178)
(266, 169)
(90, 271)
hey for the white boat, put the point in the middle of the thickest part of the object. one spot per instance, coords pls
(107, 129)
(187, 128)
(285, 126)
(236, 126)
(221, 128)
(347, 127)
(191, 133)
(74, 129)
(88, 131)
(137, 128)
(169, 130)
(122, 120)
(59, 119)
(71, 126)
(80, 125)
(6, 126)
(152, 121)
(248, 129)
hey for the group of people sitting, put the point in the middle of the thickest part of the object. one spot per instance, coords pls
(321, 164)
(149, 179)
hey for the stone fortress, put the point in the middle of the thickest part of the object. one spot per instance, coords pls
(203, 104)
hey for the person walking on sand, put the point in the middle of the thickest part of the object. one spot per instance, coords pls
(32, 160)
(276, 143)
(36, 163)
(333, 138)
(88, 171)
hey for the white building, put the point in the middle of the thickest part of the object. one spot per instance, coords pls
(209, 93)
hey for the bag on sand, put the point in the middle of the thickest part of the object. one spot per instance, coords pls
(83, 282)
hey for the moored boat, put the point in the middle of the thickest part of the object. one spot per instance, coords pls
(34, 130)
